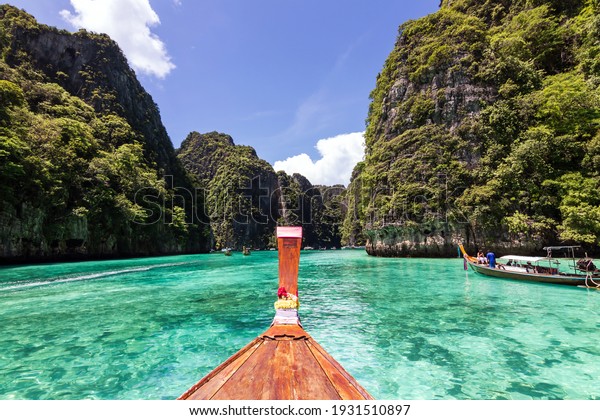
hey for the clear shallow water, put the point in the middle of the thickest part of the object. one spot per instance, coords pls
(405, 328)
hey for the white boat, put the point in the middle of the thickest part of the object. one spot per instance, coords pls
(539, 269)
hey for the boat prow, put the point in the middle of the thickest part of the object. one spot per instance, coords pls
(284, 362)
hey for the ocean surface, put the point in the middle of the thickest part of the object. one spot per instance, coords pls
(404, 328)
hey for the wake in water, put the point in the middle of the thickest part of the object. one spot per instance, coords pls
(37, 282)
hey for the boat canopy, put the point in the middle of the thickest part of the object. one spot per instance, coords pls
(561, 248)
(525, 259)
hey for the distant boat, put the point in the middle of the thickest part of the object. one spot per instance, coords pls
(246, 251)
(539, 269)
(284, 362)
(227, 252)
(308, 248)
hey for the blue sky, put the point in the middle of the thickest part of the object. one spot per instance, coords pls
(289, 77)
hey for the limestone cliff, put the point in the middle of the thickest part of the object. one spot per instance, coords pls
(246, 199)
(483, 122)
(320, 209)
(83, 152)
(240, 190)
(92, 67)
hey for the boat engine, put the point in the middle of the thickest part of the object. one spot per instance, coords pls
(586, 264)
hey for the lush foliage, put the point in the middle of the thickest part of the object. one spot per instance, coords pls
(72, 168)
(485, 120)
(319, 209)
(238, 188)
(246, 199)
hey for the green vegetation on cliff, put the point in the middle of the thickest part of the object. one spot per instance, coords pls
(238, 188)
(484, 127)
(79, 140)
(320, 209)
(245, 199)
(87, 168)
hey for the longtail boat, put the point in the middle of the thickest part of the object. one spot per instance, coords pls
(284, 362)
(538, 269)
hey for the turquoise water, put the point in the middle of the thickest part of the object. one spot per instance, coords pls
(405, 328)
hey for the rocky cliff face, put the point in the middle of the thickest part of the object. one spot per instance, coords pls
(462, 142)
(417, 147)
(83, 152)
(93, 68)
(320, 209)
(240, 190)
(246, 199)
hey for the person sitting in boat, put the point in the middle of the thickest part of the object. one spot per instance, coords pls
(491, 257)
(480, 258)
(529, 268)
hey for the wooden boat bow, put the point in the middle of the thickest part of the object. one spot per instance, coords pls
(284, 362)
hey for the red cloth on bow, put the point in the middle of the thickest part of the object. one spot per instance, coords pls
(281, 292)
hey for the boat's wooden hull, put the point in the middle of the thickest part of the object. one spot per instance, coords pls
(570, 280)
(284, 363)
(540, 278)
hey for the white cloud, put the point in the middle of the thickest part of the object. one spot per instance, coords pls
(128, 22)
(339, 155)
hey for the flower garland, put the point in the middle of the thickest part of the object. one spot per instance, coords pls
(286, 300)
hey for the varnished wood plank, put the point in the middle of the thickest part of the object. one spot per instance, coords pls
(345, 388)
(250, 381)
(294, 331)
(309, 380)
(289, 260)
(279, 370)
(209, 388)
(237, 359)
(316, 347)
